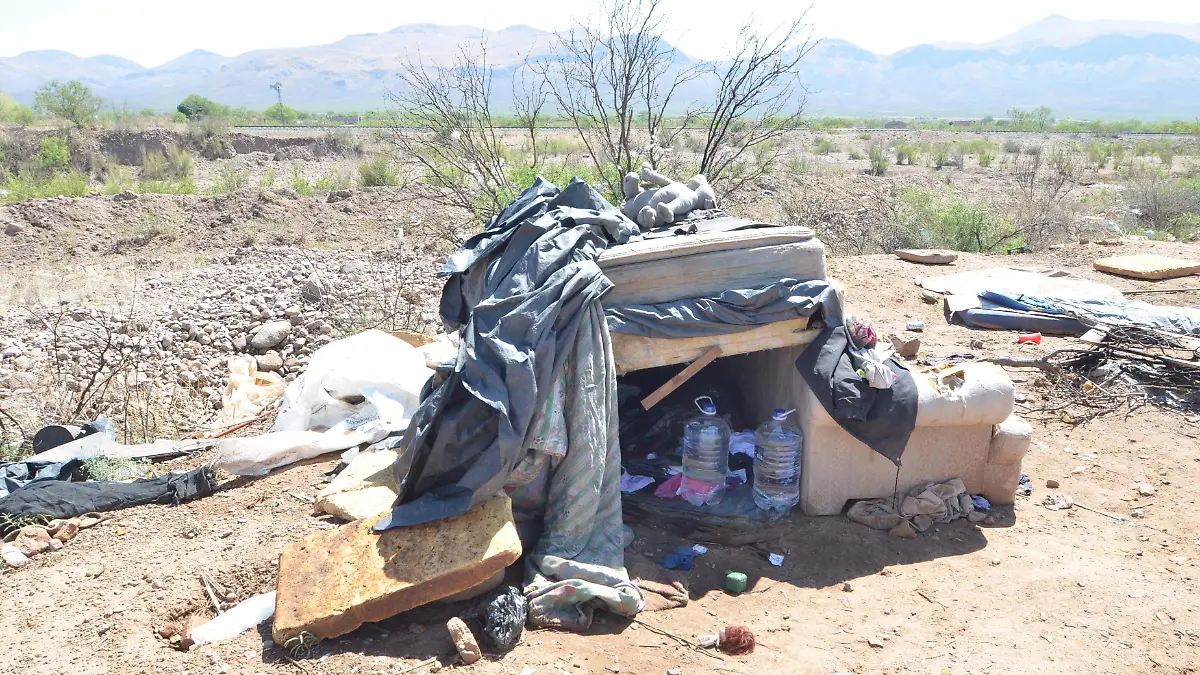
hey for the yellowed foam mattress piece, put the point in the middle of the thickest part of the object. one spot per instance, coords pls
(1148, 266)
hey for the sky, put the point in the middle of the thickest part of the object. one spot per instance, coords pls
(153, 32)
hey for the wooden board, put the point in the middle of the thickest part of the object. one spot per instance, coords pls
(681, 377)
(659, 248)
(1147, 266)
(633, 352)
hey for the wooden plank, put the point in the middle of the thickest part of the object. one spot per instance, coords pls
(658, 248)
(1147, 266)
(683, 376)
(634, 352)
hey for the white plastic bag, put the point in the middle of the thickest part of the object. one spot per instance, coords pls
(248, 392)
(339, 376)
(246, 615)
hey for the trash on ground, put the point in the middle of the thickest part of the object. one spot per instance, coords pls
(733, 640)
(735, 582)
(775, 559)
(66, 499)
(1056, 501)
(500, 618)
(1029, 338)
(245, 615)
(630, 483)
(248, 392)
(683, 558)
(921, 507)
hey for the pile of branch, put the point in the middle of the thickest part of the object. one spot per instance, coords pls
(1131, 368)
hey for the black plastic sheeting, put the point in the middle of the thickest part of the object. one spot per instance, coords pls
(16, 475)
(500, 618)
(63, 499)
(730, 312)
(883, 419)
(517, 291)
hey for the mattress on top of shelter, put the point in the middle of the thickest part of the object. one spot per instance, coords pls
(671, 268)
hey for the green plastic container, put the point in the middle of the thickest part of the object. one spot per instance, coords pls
(735, 582)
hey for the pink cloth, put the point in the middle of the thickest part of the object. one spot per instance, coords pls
(670, 488)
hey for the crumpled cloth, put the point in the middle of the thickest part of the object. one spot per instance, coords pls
(923, 506)
(60, 499)
(572, 473)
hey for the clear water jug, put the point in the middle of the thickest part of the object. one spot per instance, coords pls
(705, 456)
(777, 464)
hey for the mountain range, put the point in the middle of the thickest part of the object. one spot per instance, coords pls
(1084, 69)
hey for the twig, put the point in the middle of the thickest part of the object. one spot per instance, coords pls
(936, 602)
(242, 425)
(673, 636)
(1163, 290)
(212, 595)
(296, 663)
(1103, 513)
(427, 662)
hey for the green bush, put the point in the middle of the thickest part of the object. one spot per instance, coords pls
(1012, 146)
(854, 155)
(907, 153)
(25, 186)
(986, 159)
(940, 155)
(53, 156)
(12, 112)
(168, 186)
(878, 156)
(195, 106)
(377, 171)
(179, 162)
(300, 184)
(823, 146)
(154, 165)
(942, 220)
(71, 101)
(281, 115)
(229, 178)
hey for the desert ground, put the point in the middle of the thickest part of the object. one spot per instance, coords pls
(163, 288)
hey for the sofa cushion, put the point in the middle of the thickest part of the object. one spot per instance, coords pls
(986, 396)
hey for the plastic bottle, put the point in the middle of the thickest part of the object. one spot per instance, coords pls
(705, 456)
(777, 463)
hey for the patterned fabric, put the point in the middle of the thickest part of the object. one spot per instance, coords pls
(579, 563)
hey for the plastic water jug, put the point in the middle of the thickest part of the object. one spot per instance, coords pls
(705, 456)
(777, 463)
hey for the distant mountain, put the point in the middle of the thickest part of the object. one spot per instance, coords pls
(1079, 68)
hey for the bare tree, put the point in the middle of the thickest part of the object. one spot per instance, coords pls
(530, 96)
(441, 121)
(760, 98)
(616, 81)
(1045, 181)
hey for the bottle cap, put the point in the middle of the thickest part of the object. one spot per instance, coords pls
(781, 414)
(706, 405)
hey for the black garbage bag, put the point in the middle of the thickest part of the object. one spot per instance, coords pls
(500, 617)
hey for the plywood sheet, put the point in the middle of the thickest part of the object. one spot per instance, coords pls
(634, 352)
(1147, 266)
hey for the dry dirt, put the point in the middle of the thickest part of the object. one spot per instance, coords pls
(1039, 592)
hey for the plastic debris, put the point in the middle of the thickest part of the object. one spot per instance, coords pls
(735, 640)
(502, 617)
(682, 558)
(1030, 338)
(246, 615)
(776, 559)
(735, 582)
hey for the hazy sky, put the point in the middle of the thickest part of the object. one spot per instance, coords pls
(152, 32)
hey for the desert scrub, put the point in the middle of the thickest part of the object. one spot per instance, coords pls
(114, 469)
(377, 171)
(229, 178)
(149, 229)
(823, 146)
(907, 153)
(878, 155)
(942, 220)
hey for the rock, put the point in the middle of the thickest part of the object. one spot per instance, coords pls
(906, 348)
(32, 540)
(67, 530)
(292, 312)
(674, 671)
(338, 195)
(271, 335)
(926, 256)
(332, 582)
(930, 297)
(239, 343)
(464, 641)
(847, 587)
(12, 556)
(269, 362)
(13, 229)
(125, 196)
(10, 352)
(1146, 490)
(314, 288)
(872, 642)
(1051, 483)
(976, 344)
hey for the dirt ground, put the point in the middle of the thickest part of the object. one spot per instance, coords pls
(1038, 592)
